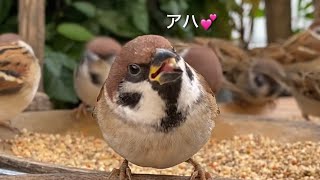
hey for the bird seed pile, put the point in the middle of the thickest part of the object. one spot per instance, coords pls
(243, 157)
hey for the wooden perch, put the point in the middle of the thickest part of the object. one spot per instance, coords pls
(94, 176)
(88, 176)
(40, 171)
(28, 166)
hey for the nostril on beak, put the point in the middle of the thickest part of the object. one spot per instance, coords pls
(162, 55)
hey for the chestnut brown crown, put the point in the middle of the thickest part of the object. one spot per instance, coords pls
(9, 37)
(103, 46)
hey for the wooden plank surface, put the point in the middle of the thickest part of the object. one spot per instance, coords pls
(95, 176)
(38, 171)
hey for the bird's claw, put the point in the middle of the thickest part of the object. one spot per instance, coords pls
(8, 125)
(80, 111)
(202, 175)
(306, 117)
(124, 172)
(198, 172)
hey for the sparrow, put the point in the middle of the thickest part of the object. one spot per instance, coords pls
(9, 37)
(154, 109)
(19, 79)
(275, 51)
(261, 84)
(252, 80)
(301, 47)
(206, 63)
(93, 70)
(303, 79)
(304, 46)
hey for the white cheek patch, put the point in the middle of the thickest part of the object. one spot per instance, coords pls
(84, 70)
(190, 90)
(150, 109)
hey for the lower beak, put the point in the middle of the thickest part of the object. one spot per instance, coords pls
(167, 71)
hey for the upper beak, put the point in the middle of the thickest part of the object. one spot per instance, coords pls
(164, 67)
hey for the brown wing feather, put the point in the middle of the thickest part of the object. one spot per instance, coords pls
(15, 61)
(209, 96)
(9, 84)
(311, 82)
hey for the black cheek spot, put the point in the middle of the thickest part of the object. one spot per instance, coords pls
(129, 99)
(95, 79)
(189, 72)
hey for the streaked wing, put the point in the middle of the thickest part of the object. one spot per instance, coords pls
(312, 83)
(15, 60)
(9, 84)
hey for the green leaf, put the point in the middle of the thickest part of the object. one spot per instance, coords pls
(259, 13)
(117, 24)
(5, 6)
(85, 7)
(58, 77)
(74, 31)
(141, 16)
(307, 5)
(171, 7)
(309, 15)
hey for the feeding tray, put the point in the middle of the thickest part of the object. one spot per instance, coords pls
(275, 122)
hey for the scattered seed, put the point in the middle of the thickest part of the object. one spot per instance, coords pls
(243, 157)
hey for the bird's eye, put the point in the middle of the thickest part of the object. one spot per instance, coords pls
(260, 80)
(134, 69)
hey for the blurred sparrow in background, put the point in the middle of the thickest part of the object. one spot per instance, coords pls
(93, 70)
(206, 63)
(303, 79)
(260, 84)
(19, 78)
(9, 37)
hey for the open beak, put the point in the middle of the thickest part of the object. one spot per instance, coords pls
(164, 67)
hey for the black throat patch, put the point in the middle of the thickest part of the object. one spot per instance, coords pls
(170, 94)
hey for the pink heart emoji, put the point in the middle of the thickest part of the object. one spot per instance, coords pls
(206, 24)
(213, 17)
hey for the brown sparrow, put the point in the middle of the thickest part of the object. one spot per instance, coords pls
(154, 109)
(303, 80)
(203, 60)
(301, 47)
(261, 84)
(93, 70)
(9, 37)
(19, 79)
